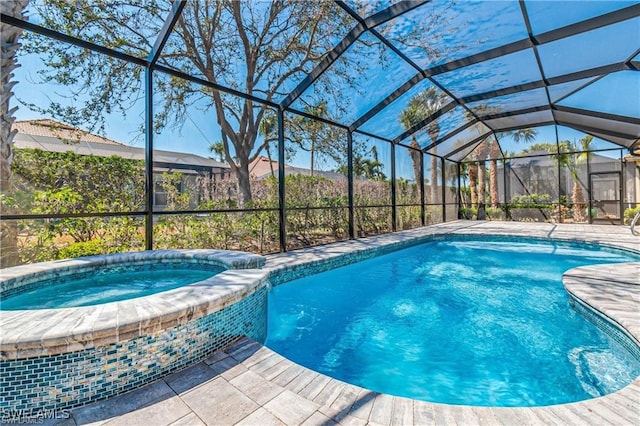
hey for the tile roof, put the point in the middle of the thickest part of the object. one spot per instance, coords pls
(55, 129)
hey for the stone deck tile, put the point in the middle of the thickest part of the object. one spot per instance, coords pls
(265, 364)
(228, 368)
(318, 418)
(249, 384)
(261, 417)
(330, 392)
(256, 387)
(565, 415)
(302, 380)
(505, 416)
(290, 408)
(382, 410)
(314, 387)
(277, 369)
(138, 400)
(219, 403)
(363, 404)
(402, 412)
(189, 420)
(292, 371)
(257, 356)
(423, 413)
(341, 416)
(190, 378)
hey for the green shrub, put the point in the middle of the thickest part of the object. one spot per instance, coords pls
(629, 214)
(467, 213)
(83, 248)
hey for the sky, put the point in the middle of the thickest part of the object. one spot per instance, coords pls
(610, 94)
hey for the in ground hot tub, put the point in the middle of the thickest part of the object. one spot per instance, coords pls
(57, 358)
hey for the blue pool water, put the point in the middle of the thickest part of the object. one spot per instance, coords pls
(473, 322)
(107, 285)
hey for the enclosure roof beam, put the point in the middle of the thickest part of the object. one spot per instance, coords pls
(25, 25)
(591, 129)
(165, 31)
(451, 134)
(448, 107)
(515, 113)
(534, 42)
(388, 100)
(598, 114)
(324, 64)
(362, 26)
(472, 142)
(553, 35)
(592, 72)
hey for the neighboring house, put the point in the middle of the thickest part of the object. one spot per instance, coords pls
(261, 168)
(53, 136)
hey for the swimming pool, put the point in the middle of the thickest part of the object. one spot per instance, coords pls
(461, 321)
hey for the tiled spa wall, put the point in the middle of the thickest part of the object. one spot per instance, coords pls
(77, 378)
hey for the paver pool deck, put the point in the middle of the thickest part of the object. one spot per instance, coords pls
(248, 384)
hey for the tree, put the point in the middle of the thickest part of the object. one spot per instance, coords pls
(524, 135)
(481, 153)
(415, 154)
(217, 149)
(577, 194)
(473, 184)
(419, 108)
(494, 153)
(9, 37)
(259, 48)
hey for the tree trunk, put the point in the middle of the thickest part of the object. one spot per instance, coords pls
(473, 181)
(9, 36)
(481, 182)
(434, 179)
(312, 152)
(244, 183)
(481, 190)
(493, 183)
(273, 173)
(415, 160)
(579, 206)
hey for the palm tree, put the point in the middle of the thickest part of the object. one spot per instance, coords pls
(494, 153)
(577, 195)
(217, 149)
(415, 154)
(524, 135)
(481, 151)
(9, 36)
(420, 107)
(473, 182)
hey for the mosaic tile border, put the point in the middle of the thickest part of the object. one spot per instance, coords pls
(77, 378)
(288, 273)
(607, 325)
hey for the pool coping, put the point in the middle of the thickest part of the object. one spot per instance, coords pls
(28, 333)
(247, 383)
